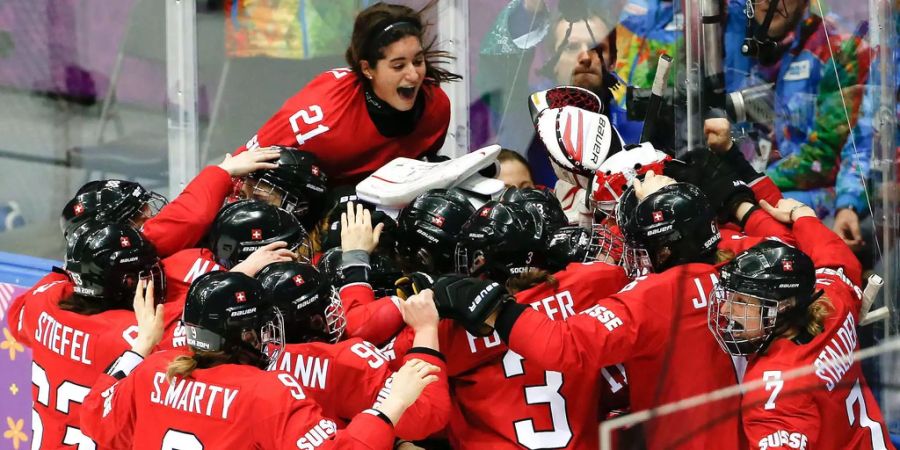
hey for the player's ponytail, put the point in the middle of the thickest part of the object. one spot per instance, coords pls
(382, 24)
(184, 365)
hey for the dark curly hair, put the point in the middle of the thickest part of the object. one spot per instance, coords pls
(382, 24)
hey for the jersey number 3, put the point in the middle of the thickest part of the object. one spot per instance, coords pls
(548, 394)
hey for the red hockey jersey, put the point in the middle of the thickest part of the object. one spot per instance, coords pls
(228, 406)
(504, 401)
(657, 327)
(70, 352)
(348, 377)
(328, 117)
(831, 408)
(184, 221)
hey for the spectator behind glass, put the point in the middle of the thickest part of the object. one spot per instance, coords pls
(388, 103)
(514, 170)
(814, 159)
(584, 58)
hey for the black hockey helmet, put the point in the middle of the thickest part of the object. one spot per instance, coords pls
(676, 217)
(298, 181)
(501, 240)
(541, 199)
(226, 311)
(111, 201)
(310, 306)
(383, 271)
(761, 293)
(567, 245)
(105, 261)
(428, 228)
(244, 226)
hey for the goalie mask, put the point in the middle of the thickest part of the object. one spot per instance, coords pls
(577, 142)
(310, 306)
(117, 201)
(428, 229)
(244, 226)
(106, 261)
(501, 240)
(674, 225)
(226, 311)
(612, 177)
(297, 185)
(761, 293)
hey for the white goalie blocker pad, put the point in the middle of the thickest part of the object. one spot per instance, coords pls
(398, 182)
(577, 142)
(561, 96)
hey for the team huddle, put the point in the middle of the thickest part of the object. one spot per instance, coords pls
(269, 306)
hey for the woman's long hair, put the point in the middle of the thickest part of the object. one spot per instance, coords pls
(382, 24)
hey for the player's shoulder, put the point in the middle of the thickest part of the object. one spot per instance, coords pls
(577, 271)
(332, 84)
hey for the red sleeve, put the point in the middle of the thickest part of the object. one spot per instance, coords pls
(782, 419)
(826, 249)
(184, 221)
(296, 422)
(764, 189)
(431, 411)
(373, 321)
(108, 412)
(624, 326)
(354, 295)
(762, 224)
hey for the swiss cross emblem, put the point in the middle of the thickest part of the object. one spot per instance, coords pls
(79, 208)
(241, 297)
(256, 234)
(438, 221)
(485, 211)
(657, 216)
(124, 241)
(788, 266)
(298, 280)
(315, 170)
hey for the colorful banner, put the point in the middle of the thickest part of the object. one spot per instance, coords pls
(15, 379)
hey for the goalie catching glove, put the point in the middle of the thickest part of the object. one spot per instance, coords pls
(469, 301)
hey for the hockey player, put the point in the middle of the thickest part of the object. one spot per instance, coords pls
(77, 321)
(785, 310)
(387, 103)
(170, 227)
(501, 400)
(216, 395)
(327, 368)
(654, 325)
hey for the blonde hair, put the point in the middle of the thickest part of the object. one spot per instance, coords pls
(530, 279)
(724, 255)
(184, 365)
(813, 322)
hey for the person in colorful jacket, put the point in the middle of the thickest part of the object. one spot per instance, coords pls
(819, 73)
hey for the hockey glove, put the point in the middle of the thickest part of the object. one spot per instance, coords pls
(469, 301)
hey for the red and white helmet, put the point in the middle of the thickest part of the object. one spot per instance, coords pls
(612, 177)
(578, 142)
(561, 96)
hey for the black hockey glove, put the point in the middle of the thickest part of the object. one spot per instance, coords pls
(469, 301)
